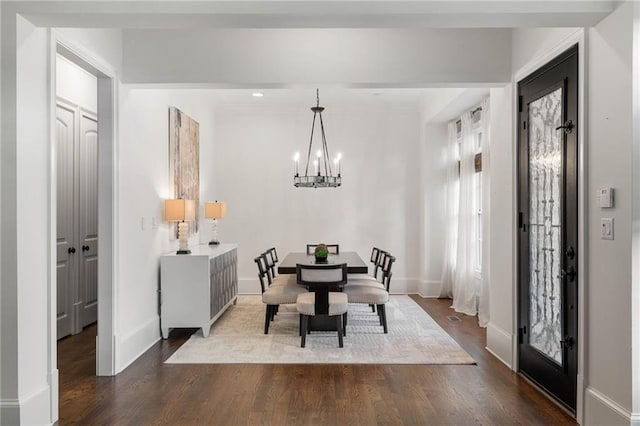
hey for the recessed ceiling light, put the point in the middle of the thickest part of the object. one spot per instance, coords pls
(257, 94)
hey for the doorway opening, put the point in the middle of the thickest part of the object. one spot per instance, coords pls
(83, 274)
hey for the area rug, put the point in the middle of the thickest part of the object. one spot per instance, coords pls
(238, 338)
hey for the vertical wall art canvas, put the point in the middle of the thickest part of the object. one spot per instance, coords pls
(184, 159)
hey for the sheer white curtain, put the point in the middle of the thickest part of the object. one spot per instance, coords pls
(451, 212)
(483, 299)
(460, 279)
(464, 279)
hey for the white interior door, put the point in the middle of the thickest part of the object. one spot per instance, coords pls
(88, 214)
(65, 134)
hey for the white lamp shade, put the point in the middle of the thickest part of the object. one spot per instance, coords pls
(179, 210)
(216, 210)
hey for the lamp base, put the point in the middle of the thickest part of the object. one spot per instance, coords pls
(183, 252)
(214, 243)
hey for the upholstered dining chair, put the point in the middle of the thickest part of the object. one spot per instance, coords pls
(331, 248)
(321, 301)
(370, 292)
(274, 295)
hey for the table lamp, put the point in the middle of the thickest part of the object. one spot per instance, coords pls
(215, 211)
(181, 211)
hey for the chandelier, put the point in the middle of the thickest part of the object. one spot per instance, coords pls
(322, 176)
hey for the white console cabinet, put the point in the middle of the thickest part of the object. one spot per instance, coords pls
(196, 288)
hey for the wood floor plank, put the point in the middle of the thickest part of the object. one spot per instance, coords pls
(151, 392)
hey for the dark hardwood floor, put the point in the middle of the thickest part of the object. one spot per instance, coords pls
(150, 392)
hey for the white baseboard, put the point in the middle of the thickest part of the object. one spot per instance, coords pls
(599, 409)
(430, 289)
(54, 385)
(249, 286)
(130, 347)
(9, 411)
(500, 344)
(35, 408)
(398, 286)
(405, 286)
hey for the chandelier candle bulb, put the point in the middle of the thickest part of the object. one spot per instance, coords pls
(315, 164)
(296, 158)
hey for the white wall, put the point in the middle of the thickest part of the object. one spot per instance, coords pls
(232, 57)
(377, 205)
(105, 44)
(143, 187)
(32, 159)
(500, 329)
(433, 216)
(609, 163)
(76, 85)
(529, 43)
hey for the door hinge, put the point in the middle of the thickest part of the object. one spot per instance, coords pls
(567, 342)
(519, 103)
(521, 223)
(521, 332)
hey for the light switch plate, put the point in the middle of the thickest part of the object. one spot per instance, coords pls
(606, 228)
(605, 198)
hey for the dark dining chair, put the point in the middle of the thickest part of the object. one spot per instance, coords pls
(331, 248)
(314, 303)
(274, 254)
(276, 293)
(371, 292)
(271, 263)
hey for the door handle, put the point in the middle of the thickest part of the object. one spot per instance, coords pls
(567, 126)
(85, 248)
(71, 250)
(570, 253)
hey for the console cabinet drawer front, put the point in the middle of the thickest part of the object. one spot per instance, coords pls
(223, 280)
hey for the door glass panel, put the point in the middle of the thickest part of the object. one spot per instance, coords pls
(545, 172)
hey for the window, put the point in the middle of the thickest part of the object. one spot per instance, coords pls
(477, 196)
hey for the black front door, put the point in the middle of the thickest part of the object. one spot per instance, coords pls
(548, 227)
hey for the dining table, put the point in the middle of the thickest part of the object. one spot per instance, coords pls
(355, 265)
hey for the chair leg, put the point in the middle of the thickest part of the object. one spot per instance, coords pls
(344, 324)
(305, 323)
(383, 317)
(300, 324)
(373, 307)
(340, 330)
(274, 310)
(267, 319)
